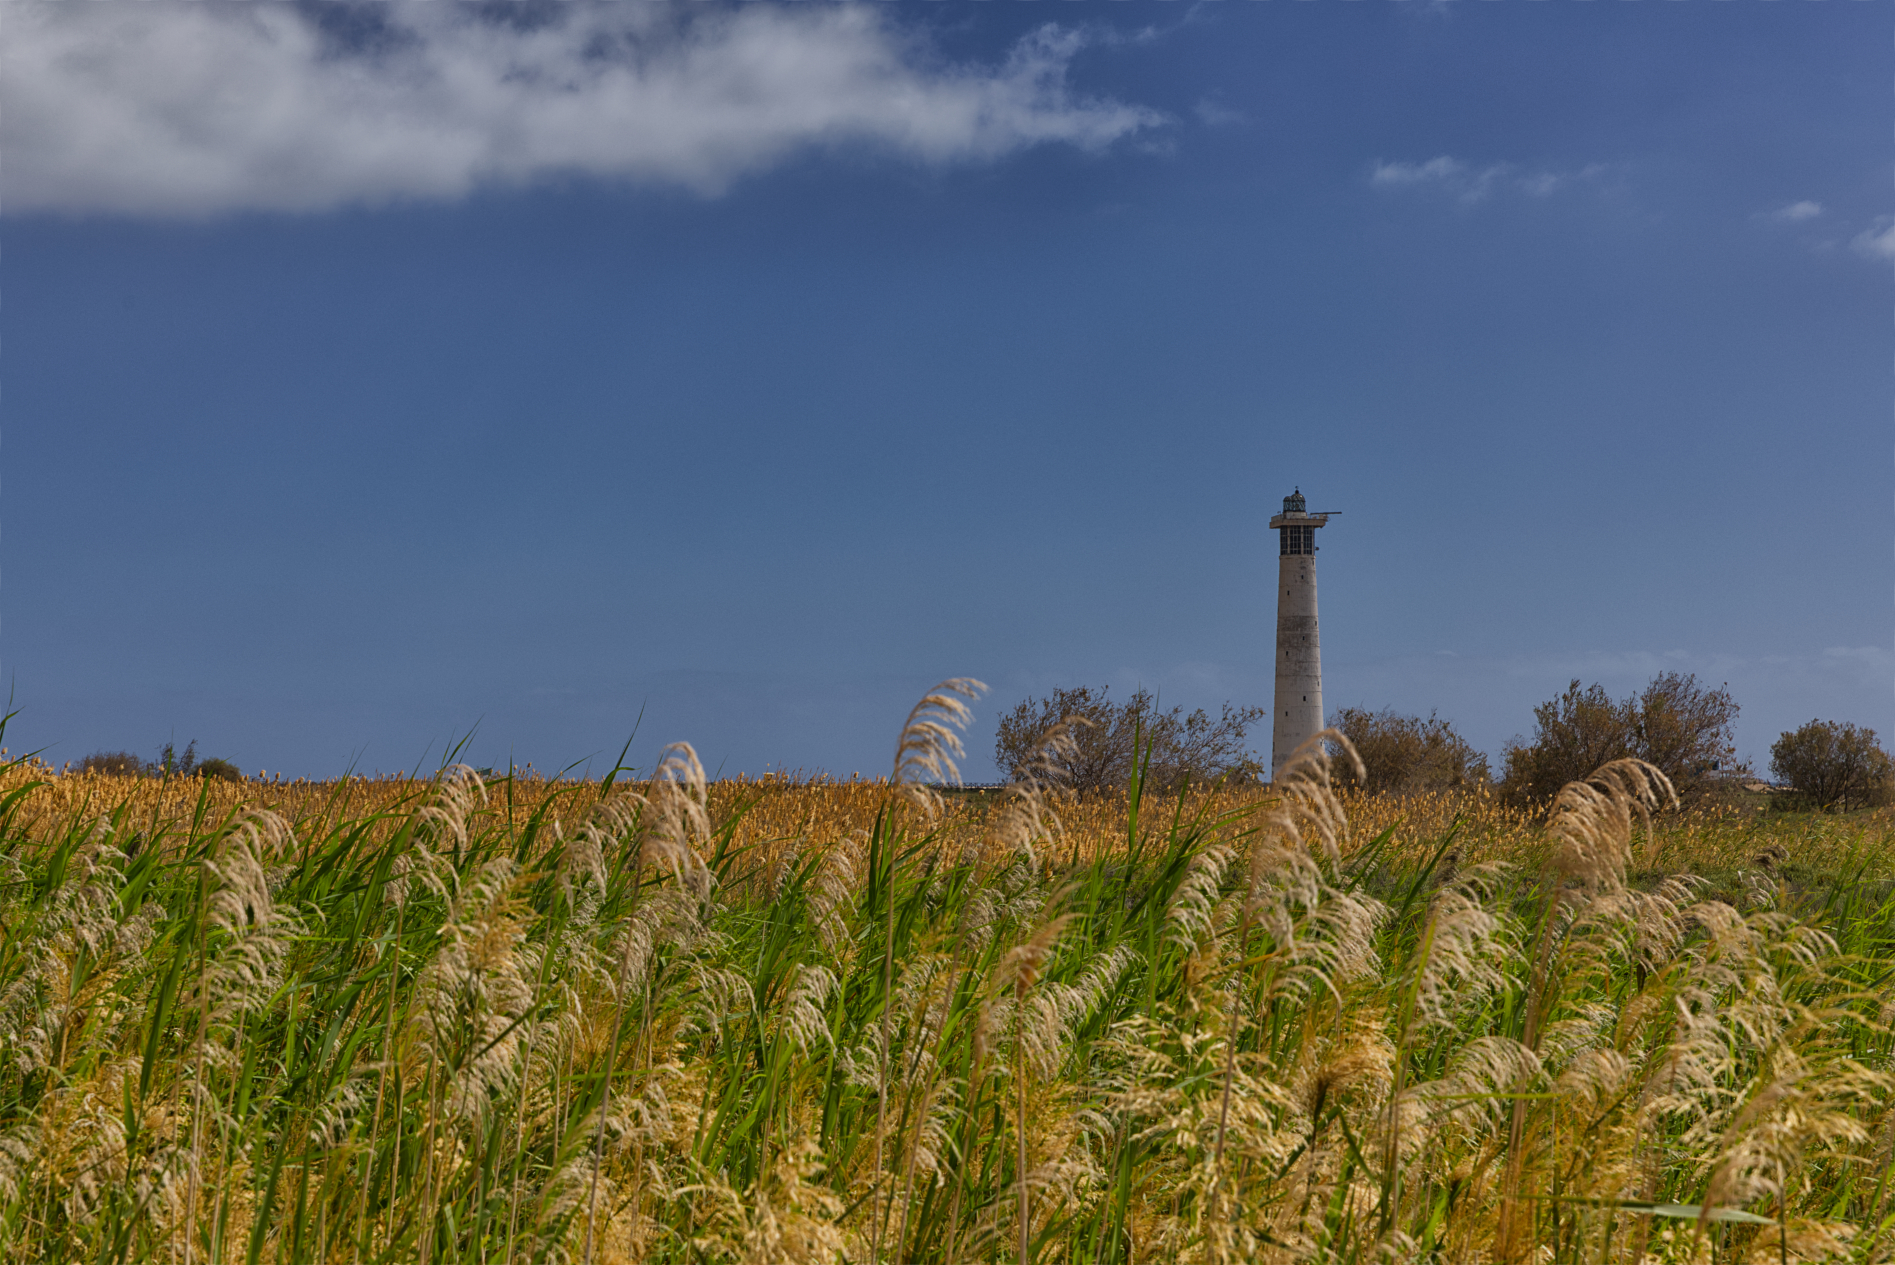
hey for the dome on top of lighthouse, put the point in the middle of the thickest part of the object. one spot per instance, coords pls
(1294, 503)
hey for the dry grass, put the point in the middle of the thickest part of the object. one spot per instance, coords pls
(775, 814)
(759, 1021)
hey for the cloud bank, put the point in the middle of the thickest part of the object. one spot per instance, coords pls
(157, 108)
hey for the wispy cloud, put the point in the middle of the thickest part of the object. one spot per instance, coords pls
(1795, 212)
(1211, 114)
(1472, 182)
(1434, 171)
(1877, 241)
(166, 108)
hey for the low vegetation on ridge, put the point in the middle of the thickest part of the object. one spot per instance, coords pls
(768, 1021)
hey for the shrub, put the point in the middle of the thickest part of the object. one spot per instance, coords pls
(223, 770)
(114, 763)
(1674, 723)
(1181, 746)
(1829, 765)
(1407, 754)
(174, 763)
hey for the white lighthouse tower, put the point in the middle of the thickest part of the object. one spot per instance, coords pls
(1298, 715)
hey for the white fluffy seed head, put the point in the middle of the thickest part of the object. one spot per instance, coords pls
(930, 742)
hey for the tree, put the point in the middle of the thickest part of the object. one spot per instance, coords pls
(1674, 723)
(1833, 766)
(171, 763)
(1103, 732)
(1685, 730)
(1406, 754)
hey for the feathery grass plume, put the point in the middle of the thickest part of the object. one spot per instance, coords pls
(1592, 822)
(801, 1015)
(244, 941)
(1191, 911)
(1763, 1082)
(1026, 815)
(458, 794)
(1468, 948)
(1589, 920)
(834, 890)
(1320, 932)
(1098, 978)
(679, 819)
(925, 1002)
(1017, 971)
(929, 742)
(1013, 897)
(1035, 1031)
(668, 917)
(245, 964)
(63, 1020)
(1306, 805)
(1340, 1087)
(1166, 1086)
(336, 1119)
(474, 993)
(67, 956)
(926, 748)
(581, 854)
(18, 1145)
(443, 816)
(677, 825)
(1709, 1074)
(1458, 965)
(568, 1192)
(788, 1217)
(1317, 934)
(1039, 1012)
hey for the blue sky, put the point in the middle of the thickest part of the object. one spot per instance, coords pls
(374, 373)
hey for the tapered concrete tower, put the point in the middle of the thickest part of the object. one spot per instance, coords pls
(1298, 715)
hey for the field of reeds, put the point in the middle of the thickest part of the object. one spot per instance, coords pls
(651, 1017)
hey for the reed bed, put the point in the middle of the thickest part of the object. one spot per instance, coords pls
(664, 1019)
(779, 812)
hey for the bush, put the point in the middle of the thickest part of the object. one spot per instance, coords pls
(113, 763)
(1676, 724)
(1833, 766)
(1407, 754)
(1181, 746)
(170, 763)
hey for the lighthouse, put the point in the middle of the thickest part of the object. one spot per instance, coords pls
(1298, 715)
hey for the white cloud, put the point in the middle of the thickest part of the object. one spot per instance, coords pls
(1211, 114)
(1434, 171)
(1877, 242)
(1471, 183)
(1796, 212)
(149, 107)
